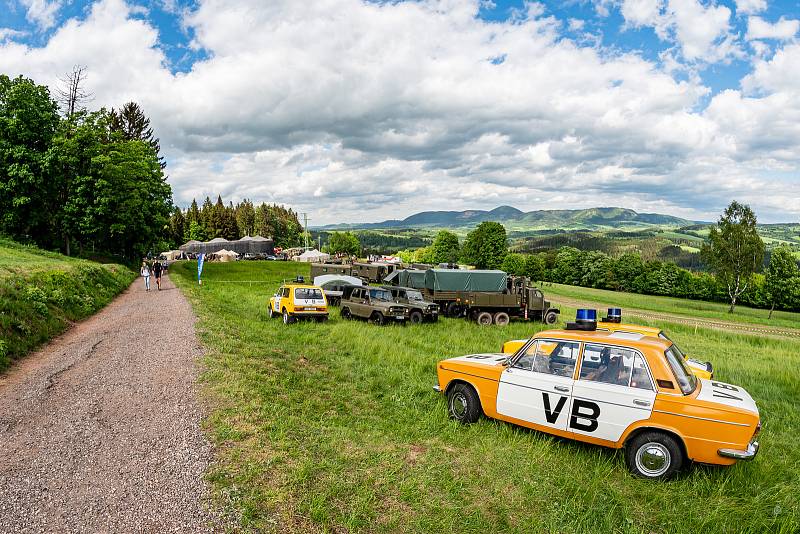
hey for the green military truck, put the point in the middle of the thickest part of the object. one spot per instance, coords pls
(372, 272)
(485, 296)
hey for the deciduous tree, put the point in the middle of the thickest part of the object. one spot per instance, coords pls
(734, 250)
(486, 246)
(446, 248)
(782, 278)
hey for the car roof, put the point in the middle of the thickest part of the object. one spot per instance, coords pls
(647, 330)
(624, 339)
(297, 286)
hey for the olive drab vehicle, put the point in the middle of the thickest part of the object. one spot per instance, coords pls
(419, 309)
(374, 304)
(485, 296)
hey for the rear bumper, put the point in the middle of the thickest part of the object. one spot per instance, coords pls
(309, 314)
(749, 454)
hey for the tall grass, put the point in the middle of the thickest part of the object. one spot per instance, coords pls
(42, 292)
(324, 427)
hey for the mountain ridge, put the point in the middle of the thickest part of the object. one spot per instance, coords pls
(509, 215)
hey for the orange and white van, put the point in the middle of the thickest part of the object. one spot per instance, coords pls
(615, 389)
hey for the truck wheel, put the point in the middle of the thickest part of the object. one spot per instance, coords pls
(484, 318)
(345, 313)
(377, 318)
(501, 319)
(287, 319)
(463, 404)
(654, 455)
(453, 309)
(550, 317)
(415, 317)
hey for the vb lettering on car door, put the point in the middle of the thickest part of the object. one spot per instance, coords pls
(537, 386)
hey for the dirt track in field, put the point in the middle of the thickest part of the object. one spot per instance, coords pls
(100, 429)
(715, 324)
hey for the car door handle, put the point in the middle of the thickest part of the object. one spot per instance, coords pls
(562, 389)
(638, 402)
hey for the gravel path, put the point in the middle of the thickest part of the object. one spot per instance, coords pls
(100, 430)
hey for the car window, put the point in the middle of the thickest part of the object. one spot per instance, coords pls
(614, 365)
(686, 380)
(307, 293)
(380, 294)
(555, 357)
(286, 292)
(525, 360)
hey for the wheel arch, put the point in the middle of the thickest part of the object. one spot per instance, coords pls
(632, 433)
(456, 381)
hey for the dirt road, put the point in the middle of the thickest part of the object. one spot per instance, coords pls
(778, 331)
(100, 430)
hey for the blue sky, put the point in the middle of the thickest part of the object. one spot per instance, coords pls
(374, 110)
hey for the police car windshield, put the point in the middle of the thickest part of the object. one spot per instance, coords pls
(380, 294)
(686, 379)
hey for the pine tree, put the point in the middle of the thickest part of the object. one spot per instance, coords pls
(133, 124)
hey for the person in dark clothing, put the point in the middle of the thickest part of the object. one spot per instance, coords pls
(157, 273)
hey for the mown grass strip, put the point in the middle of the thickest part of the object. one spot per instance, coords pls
(323, 427)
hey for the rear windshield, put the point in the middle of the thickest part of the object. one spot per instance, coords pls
(686, 379)
(307, 293)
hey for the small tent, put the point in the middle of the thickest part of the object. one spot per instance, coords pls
(312, 256)
(226, 255)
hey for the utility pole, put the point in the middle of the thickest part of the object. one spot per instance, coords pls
(305, 221)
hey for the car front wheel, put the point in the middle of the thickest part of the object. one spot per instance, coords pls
(415, 317)
(463, 404)
(271, 312)
(654, 455)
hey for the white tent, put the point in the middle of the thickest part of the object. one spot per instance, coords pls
(343, 278)
(226, 255)
(312, 256)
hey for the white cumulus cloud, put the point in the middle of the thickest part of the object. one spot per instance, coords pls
(783, 30)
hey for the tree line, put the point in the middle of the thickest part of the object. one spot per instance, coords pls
(211, 220)
(734, 254)
(85, 181)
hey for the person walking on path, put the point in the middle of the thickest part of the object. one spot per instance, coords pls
(157, 273)
(145, 272)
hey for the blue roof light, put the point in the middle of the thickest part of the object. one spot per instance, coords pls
(586, 315)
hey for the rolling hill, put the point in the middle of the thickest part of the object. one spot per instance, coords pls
(513, 217)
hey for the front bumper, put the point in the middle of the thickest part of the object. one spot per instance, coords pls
(749, 454)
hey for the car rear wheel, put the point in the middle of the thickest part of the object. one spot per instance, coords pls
(463, 404)
(287, 319)
(377, 318)
(550, 317)
(501, 319)
(484, 318)
(654, 455)
(345, 313)
(415, 317)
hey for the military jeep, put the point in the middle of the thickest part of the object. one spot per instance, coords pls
(419, 308)
(374, 304)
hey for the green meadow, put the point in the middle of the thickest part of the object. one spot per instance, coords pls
(694, 308)
(334, 427)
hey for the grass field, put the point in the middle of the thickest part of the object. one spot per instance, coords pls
(332, 427)
(696, 308)
(42, 292)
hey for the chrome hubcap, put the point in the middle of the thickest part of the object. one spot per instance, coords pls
(458, 405)
(653, 459)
